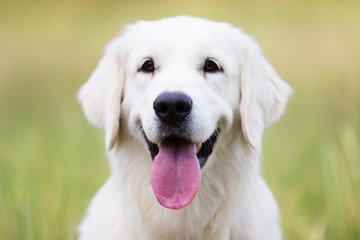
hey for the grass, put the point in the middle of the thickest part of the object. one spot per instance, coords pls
(52, 161)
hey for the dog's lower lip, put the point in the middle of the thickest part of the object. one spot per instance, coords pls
(203, 150)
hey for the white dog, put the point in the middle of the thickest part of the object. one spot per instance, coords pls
(183, 103)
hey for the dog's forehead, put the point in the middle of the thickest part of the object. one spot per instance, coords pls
(180, 32)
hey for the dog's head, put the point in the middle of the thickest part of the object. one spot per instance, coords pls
(180, 82)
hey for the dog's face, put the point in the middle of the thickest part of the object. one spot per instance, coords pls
(179, 83)
(185, 88)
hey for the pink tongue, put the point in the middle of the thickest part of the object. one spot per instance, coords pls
(176, 174)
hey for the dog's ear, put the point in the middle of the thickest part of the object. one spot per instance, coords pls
(100, 96)
(263, 94)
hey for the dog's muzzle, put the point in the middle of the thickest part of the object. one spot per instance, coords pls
(176, 171)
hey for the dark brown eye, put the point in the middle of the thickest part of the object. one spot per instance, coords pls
(148, 66)
(211, 66)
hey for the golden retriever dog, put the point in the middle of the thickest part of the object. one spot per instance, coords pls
(183, 103)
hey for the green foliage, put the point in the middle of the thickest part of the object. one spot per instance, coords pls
(52, 161)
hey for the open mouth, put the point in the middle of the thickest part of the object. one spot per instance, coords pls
(203, 150)
(176, 171)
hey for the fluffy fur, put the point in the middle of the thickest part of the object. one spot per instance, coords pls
(233, 201)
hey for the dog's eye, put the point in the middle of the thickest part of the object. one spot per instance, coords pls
(211, 66)
(148, 66)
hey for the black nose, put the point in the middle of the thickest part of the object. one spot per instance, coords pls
(172, 107)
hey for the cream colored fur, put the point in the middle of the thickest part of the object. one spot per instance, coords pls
(233, 201)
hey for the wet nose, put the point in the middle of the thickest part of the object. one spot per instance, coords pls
(172, 107)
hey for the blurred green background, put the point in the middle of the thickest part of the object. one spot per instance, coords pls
(52, 161)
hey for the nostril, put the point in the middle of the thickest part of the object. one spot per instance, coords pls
(183, 106)
(161, 107)
(172, 107)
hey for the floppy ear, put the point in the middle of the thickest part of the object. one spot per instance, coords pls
(263, 93)
(100, 96)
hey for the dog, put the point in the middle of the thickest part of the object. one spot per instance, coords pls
(183, 103)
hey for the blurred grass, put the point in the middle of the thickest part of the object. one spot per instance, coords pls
(52, 161)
